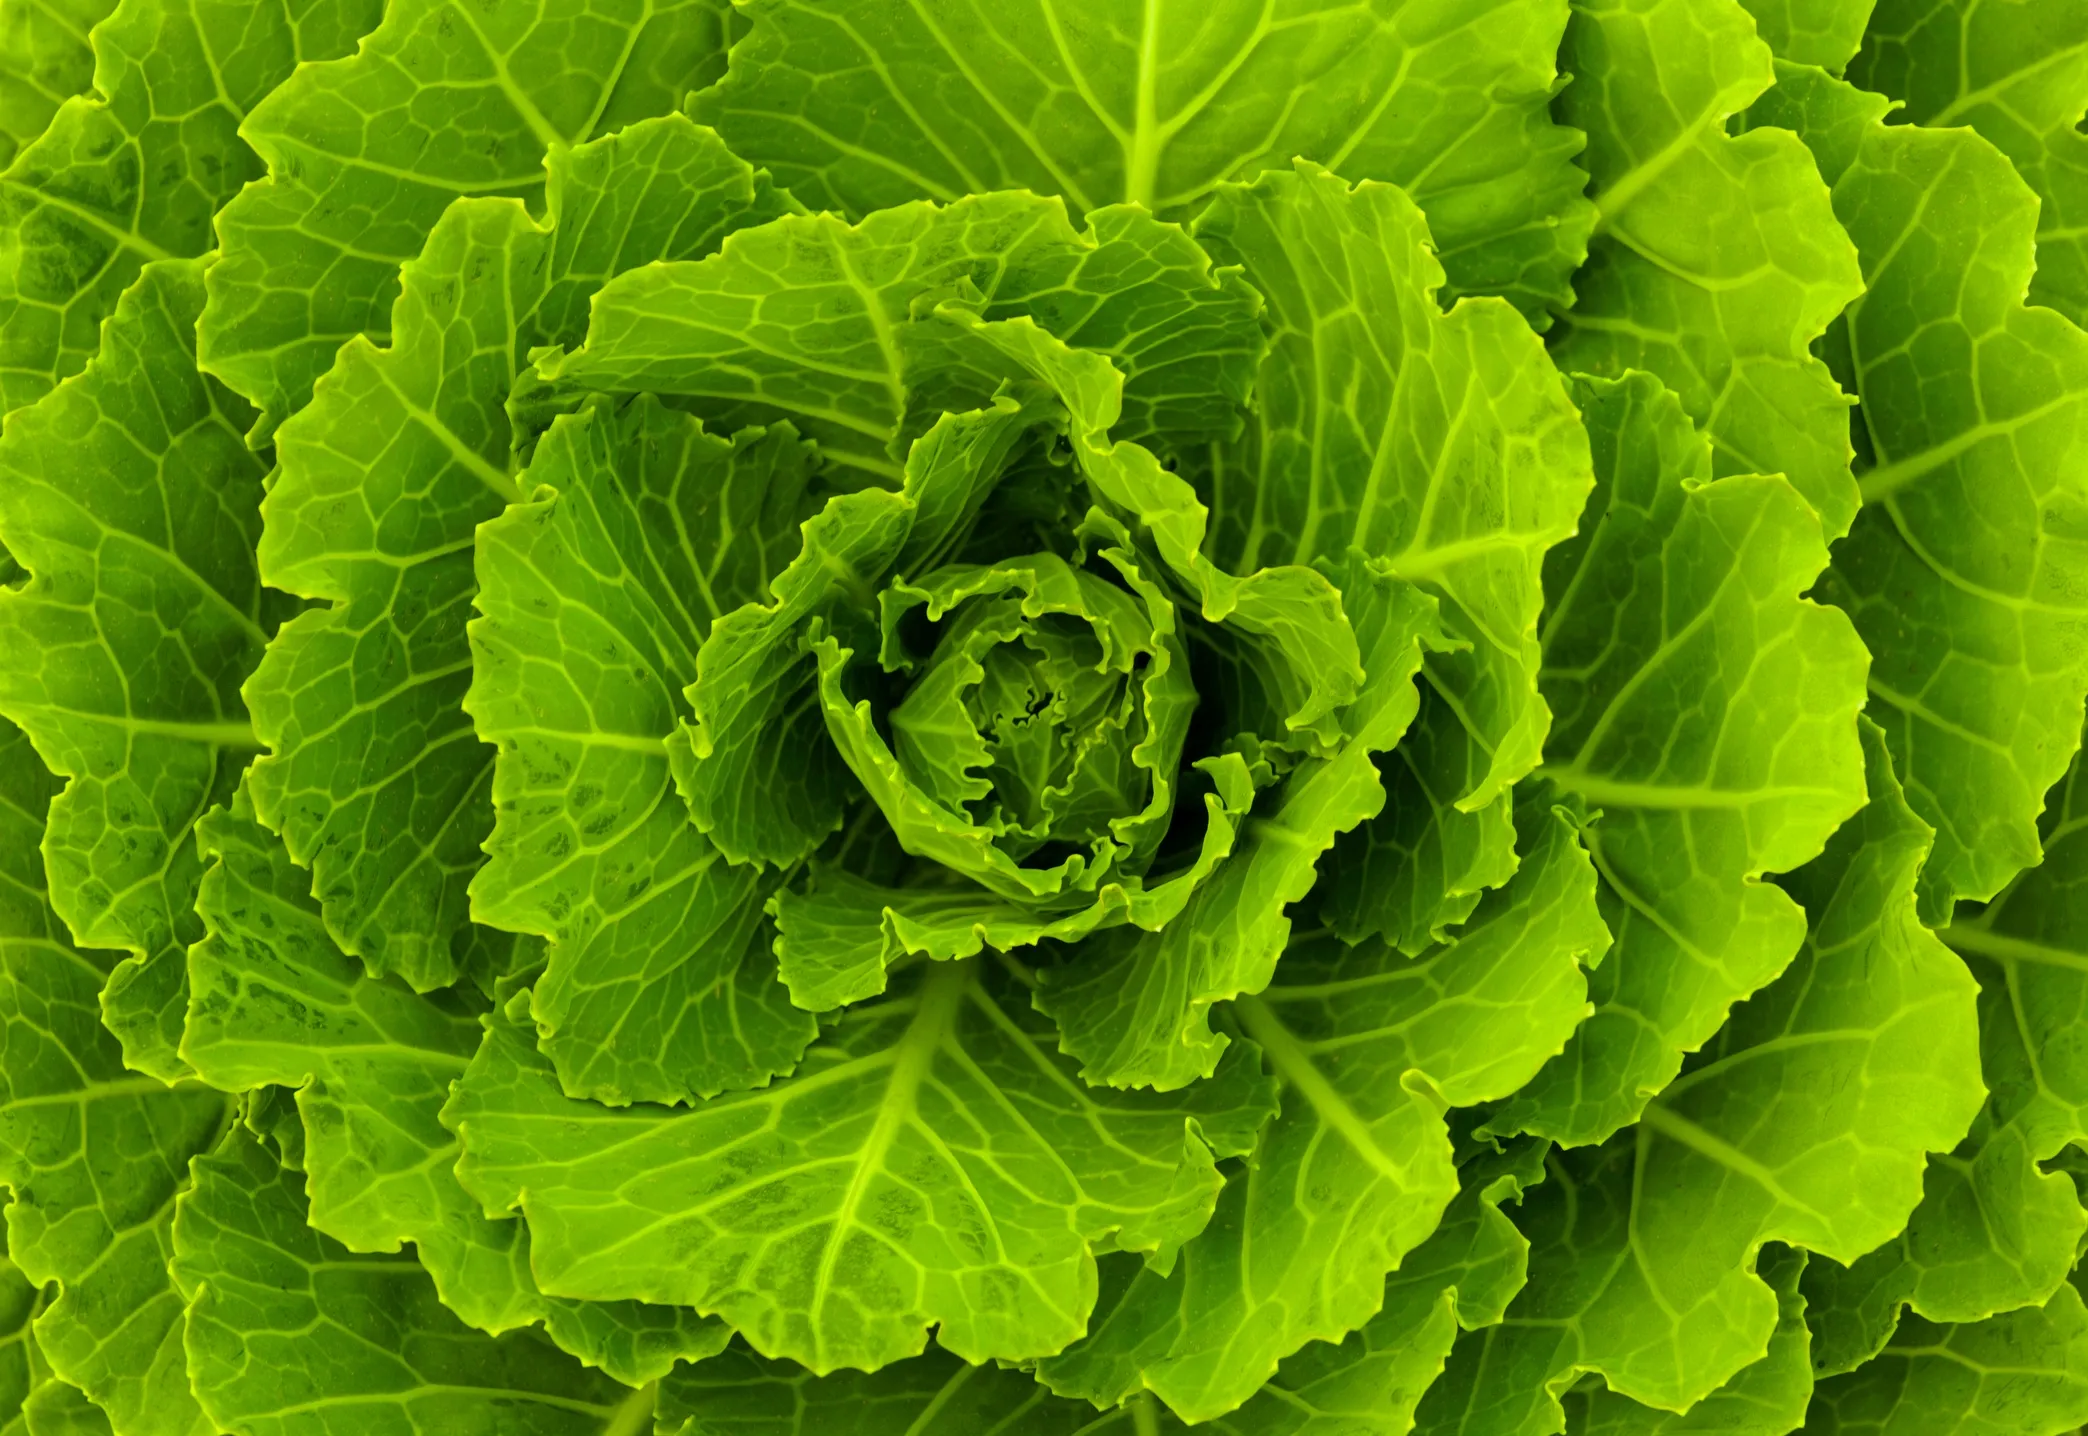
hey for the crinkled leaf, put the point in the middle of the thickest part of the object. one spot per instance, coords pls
(1708, 712)
(365, 153)
(1443, 446)
(818, 321)
(1716, 260)
(1134, 1006)
(858, 106)
(1996, 1229)
(1765, 1398)
(2018, 74)
(130, 498)
(1825, 33)
(2024, 1373)
(91, 1152)
(1967, 572)
(1368, 1049)
(290, 1333)
(596, 595)
(134, 170)
(45, 60)
(1807, 1121)
(931, 1161)
(371, 1061)
(375, 778)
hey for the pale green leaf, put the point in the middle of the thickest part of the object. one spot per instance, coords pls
(1716, 260)
(932, 1162)
(1825, 33)
(859, 106)
(1765, 1398)
(134, 170)
(92, 1154)
(375, 777)
(1709, 713)
(2016, 71)
(1967, 572)
(2024, 1373)
(45, 59)
(596, 595)
(1443, 446)
(130, 498)
(274, 1001)
(1807, 1120)
(817, 321)
(444, 100)
(1368, 1049)
(291, 1334)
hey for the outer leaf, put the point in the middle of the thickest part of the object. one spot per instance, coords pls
(1766, 1398)
(1968, 570)
(931, 1161)
(128, 496)
(36, 1401)
(92, 1154)
(807, 319)
(1806, 1121)
(2021, 1374)
(289, 1332)
(1716, 260)
(1355, 1172)
(274, 1001)
(365, 153)
(596, 595)
(45, 60)
(1134, 1007)
(859, 107)
(375, 778)
(1443, 446)
(1996, 1230)
(134, 170)
(2018, 74)
(1367, 1385)
(1709, 713)
(741, 1394)
(1825, 33)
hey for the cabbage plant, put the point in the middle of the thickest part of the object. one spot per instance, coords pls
(1065, 717)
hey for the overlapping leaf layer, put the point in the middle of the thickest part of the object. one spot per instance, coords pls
(768, 717)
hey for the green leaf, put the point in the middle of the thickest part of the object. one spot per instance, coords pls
(92, 1154)
(1368, 1050)
(858, 107)
(289, 1332)
(1134, 1006)
(2024, 1373)
(365, 153)
(1708, 712)
(596, 594)
(1967, 572)
(1995, 1229)
(375, 777)
(1825, 33)
(45, 59)
(371, 1062)
(134, 170)
(1443, 446)
(1807, 1121)
(131, 500)
(1766, 1398)
(33, 1400)
(2017, 74)
(932, 1162)
(824, 323)
(741, 1394)
(1716, 260)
